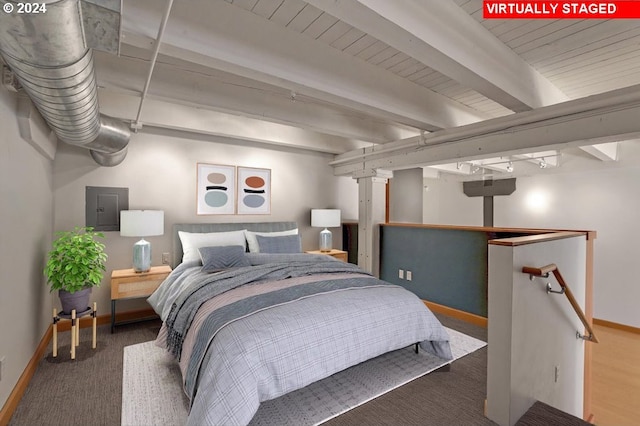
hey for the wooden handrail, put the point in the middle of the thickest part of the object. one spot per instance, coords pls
(552, 268)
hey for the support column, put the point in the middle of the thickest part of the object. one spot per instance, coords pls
(487, 211)
(371, 213)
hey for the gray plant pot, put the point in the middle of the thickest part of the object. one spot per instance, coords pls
(78, 300)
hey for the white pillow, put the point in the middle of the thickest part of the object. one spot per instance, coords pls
(192, 241)
(252, 241)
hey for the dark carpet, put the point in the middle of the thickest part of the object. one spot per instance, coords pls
(89, 390)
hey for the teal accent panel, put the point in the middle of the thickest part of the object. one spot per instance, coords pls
(448, 266)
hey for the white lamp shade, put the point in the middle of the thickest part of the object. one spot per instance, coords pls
(325, 218)
(141, 223)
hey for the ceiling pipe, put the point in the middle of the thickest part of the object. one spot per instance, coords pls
(163, 24)
(49, 55)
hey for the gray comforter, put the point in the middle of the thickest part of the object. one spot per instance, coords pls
(255, 333)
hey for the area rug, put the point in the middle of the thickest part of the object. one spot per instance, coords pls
(152, 393)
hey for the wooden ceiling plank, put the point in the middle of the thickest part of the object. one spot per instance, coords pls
(396, 59)
(423, 73)
(360, 44)
(443, 36)
(287, 11)
(305, 18)
(372, 50)
(245, 4)
(595, 59)
(604, 34)
(266, 8)
(351, 37)
(320, 26)
(335, 32)
(556, 30)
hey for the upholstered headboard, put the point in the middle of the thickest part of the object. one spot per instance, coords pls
(222, 227)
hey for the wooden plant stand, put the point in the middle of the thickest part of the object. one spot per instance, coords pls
(75, 328)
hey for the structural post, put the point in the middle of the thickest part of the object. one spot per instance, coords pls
(371, 213)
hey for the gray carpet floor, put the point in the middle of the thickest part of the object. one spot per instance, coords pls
(89, 390)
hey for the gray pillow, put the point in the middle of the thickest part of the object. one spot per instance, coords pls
(218, 258)
(280, 244)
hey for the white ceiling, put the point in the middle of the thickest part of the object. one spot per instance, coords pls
(338, 76)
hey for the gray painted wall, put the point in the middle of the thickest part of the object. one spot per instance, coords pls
(26, 211)
(582, 194)
(160, 172)
(444, 203)
(405, 204)
(607, 201)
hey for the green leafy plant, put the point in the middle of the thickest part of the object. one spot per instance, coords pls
(76, 260)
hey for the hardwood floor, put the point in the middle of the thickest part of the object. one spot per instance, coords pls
(616, 377)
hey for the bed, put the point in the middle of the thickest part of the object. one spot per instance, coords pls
(249, 317)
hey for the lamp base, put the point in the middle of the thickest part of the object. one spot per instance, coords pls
(326, 240)
(142, 256)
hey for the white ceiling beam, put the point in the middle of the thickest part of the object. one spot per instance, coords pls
(444, 37)
(604, 151)
(240, 96)
(551, 158)
(157, 113)
(452, 168)
(496, 164)
(430, 173)
(593, 120)
(226, 37)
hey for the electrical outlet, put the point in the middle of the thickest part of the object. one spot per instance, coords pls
(401, 274)
(165, 258)
(1, 367)
(409, 275)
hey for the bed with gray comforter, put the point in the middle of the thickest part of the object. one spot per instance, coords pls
(250, 334)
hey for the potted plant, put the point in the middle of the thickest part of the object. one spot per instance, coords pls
(76, 264)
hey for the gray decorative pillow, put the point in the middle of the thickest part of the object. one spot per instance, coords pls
(280, 244)
(217, 258)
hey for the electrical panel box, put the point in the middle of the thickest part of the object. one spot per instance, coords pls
(103, 205)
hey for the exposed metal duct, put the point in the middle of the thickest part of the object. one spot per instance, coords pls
(50, 55)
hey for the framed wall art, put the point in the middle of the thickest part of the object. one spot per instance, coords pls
(216, 189)
(254, 190)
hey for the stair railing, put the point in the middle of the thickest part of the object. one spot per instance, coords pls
(564, 289)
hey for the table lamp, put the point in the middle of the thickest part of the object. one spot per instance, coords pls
(141, 223)
(325, 218)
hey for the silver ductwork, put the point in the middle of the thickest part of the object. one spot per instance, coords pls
(53, 62)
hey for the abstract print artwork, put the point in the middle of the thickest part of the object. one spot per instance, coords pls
(216, 190)
(254, 191)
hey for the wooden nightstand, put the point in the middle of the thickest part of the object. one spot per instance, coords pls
(338, 254)
(128, 284)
